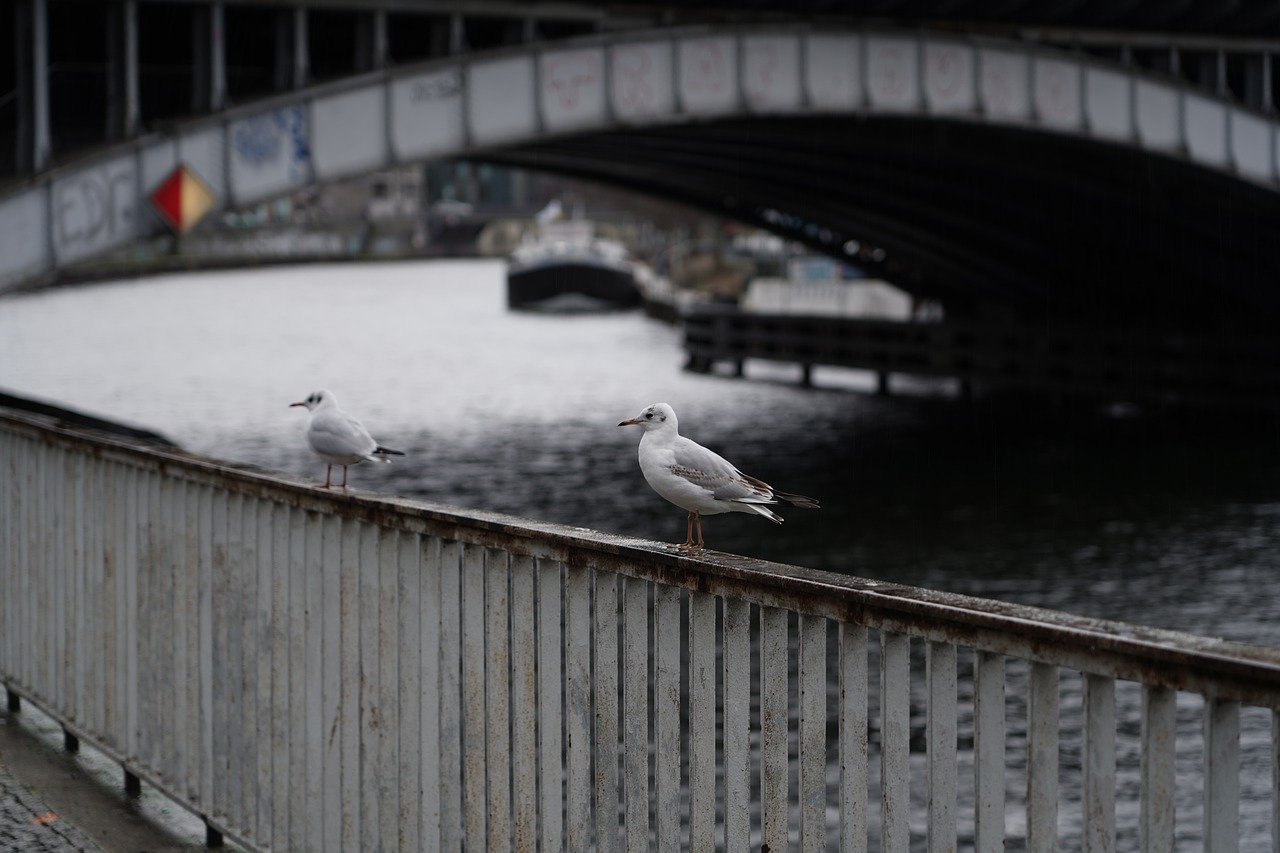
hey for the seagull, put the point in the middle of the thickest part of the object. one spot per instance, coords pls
(698, 480)
(338, 438)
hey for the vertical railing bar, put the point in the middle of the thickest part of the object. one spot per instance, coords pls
(550, 710)
(224, 674)
(451, 782)
(1042, 759)
(940, 740)
(213, 629)
(473, 708)
(387, 722)
(419, 605)
(330, 737)
(813, 733)
(317, 557)
(244, 758)
(635, 684)
(349, 678)
(895, 737)
(369, 690)
(524, 705)
(988, 749)
(666, 710)
(605, 688)
(1221, 775)
(213, 532)
(737, 723)
(260, 816)
(853, 738)
(1099, 763)
(702, 721)
(1159, 749)
(194, 569)
(298, 669)
(498, 699)
(774, 691)
(181, 535)
(79, 664)
(577, 665)
(162, 538)
(1275, 780)
(276, 820)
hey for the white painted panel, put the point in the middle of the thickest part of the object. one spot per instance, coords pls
(893, 73)
(833, 71)
(1251, 145)
(641, 82)
(771, 72)
(158, 163)
(95, 209)
(571, 88)
(348, 132)
(1205, 128)
(950, 79)
(270, 153)
(1108, 103)
(1004, 84)
(203, 152)
(426, 114)
(1156, 113)
(23, 239)
(500, 102)
(708, 75)
(1057, 93)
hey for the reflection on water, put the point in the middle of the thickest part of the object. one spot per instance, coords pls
(1136, 520)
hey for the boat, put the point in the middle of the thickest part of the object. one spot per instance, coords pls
(562, 267)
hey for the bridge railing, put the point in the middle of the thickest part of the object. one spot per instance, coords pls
(314, 670)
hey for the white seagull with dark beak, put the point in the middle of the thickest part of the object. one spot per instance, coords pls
(698, 480)
(338, 438)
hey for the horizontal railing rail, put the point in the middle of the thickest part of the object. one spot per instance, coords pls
(320, 670)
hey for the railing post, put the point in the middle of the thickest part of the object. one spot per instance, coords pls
(1099, 763)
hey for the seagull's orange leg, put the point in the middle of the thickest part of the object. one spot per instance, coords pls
(688, 531)
(344, 477)
(328, 472)
(697, 523)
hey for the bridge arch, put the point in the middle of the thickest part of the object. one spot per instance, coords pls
(628, 106)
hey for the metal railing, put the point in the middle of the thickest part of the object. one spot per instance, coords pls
(314, 670)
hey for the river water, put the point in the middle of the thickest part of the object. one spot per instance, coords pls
(1146, 519)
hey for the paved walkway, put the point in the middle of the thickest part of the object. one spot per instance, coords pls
(27, 822)
(51, 800)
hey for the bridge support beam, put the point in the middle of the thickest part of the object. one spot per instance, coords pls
(217, 57)
(122, 70)
(42, 147)
(301, 53)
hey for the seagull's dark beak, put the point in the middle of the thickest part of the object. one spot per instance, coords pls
(291, 405)
(630, 422)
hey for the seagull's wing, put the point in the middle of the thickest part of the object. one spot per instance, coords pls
(339, 434)
(717, 475)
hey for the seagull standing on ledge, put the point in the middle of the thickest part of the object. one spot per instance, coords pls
(338, 438)
(698, 480)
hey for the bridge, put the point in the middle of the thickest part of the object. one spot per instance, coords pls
(1035, 166)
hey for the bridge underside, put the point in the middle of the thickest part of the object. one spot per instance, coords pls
(993, 221)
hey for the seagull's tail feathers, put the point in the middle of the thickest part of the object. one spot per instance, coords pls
(761, 509)
(380, 454)
(797, 500)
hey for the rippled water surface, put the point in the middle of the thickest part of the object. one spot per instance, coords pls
(1143, 519)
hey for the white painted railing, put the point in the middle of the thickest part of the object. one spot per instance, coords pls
(310, 670)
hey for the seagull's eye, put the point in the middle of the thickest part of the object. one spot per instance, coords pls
(648, 416)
